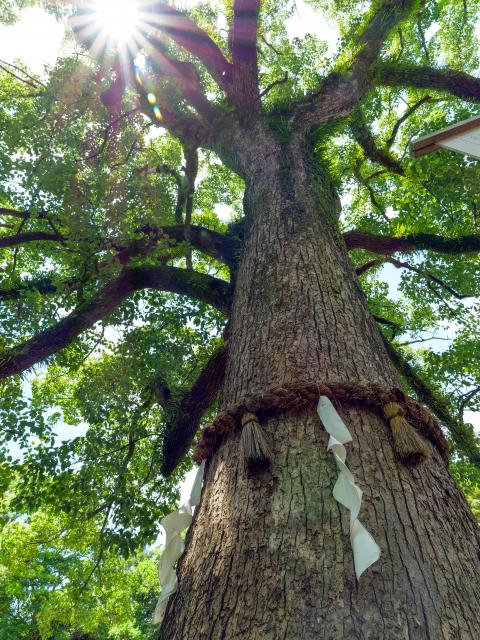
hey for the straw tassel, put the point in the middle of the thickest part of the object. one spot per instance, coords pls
(407, 442)
(254, 448)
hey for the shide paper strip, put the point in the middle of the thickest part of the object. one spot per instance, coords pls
(173, 525)
(365, 550)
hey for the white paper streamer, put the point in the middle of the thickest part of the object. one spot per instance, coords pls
(365, 550)
(174, 524)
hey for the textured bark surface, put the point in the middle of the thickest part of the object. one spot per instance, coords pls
(269, 557)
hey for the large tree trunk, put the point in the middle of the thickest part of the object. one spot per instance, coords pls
(269, 557)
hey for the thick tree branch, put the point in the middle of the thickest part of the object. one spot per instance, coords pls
(335, 98)
(188, 35)
(170, 20)
(365, 139)
(45, 286)
(183, 424)
(196, 285)
(189, 129)
(23, 215)
(243, 43)
(387, 245)
(386, 16)
(463, 436)
(184, 73)
(460, 84)
(217, 245)
(32, 236)
(193, 284)
(44, 344)
(224, 248)
(340, 92)
(191, 170)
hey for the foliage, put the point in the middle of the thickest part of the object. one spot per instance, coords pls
(92, 185)
(49, 588)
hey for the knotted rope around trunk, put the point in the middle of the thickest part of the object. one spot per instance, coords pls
(408, 420)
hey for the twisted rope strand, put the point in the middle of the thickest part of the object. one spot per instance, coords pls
(298, 396)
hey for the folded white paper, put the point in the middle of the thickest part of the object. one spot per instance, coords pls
(365, 550)
(174, 524)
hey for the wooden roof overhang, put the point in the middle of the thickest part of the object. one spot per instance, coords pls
(463, 137)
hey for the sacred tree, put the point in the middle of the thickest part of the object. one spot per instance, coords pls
(172, 335)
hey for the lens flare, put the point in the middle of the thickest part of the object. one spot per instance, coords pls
(118, 19)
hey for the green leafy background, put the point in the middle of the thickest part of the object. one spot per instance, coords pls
(79, 510)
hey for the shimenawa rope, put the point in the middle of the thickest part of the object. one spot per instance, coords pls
(410, 423)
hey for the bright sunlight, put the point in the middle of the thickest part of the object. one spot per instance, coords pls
(107, 22)
(117, 20)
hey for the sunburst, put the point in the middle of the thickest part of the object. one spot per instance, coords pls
(108, 24)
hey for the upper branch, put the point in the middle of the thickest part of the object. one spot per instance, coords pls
(196, 285)
(182, 426)
(184, 73)
(23, 215)
(458, 83)
(365, 139)
(214, 244)
(429, 276)
(189, 128)
(404, 117)
(180, 180)
(32, 236)
(371, 264)
(224, 248)
(188, 35)
(387, 245)
(191, 170)
(27, 79)
(169, 20)
(243, 44)
(44, 286)
(340, 92)
(372, 39)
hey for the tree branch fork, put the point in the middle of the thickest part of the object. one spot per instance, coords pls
(196, 285)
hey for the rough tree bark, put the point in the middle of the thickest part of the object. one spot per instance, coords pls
(269, 557)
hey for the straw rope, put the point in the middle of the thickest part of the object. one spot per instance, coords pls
(387, 403)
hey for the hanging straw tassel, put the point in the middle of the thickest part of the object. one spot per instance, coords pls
(254, 449)
(407, 442)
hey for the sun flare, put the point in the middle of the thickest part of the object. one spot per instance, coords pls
(117, 19)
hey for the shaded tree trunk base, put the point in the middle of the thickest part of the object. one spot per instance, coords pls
(269, 556)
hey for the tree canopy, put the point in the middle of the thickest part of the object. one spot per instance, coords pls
(120, 233)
